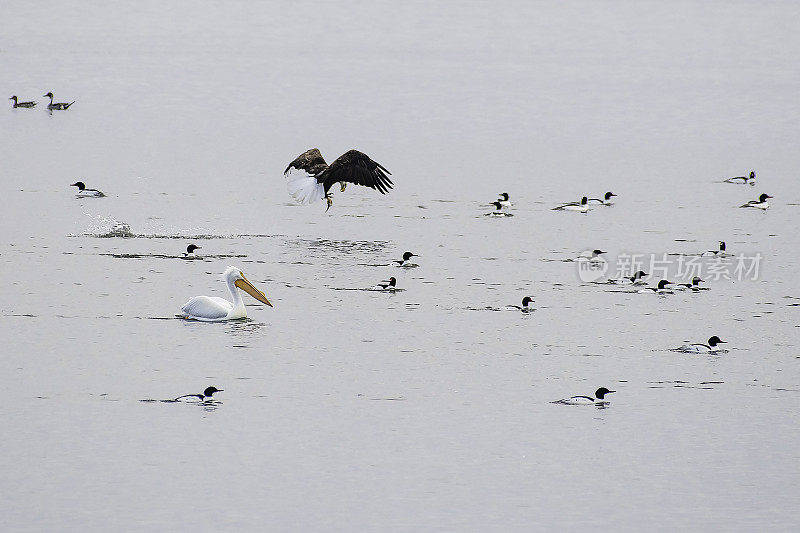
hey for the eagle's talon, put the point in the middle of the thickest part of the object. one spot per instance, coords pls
(315, 174)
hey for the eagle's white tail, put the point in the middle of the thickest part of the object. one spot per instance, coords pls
(304, 187)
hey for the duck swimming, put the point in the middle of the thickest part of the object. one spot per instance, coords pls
(587, 400)
(390, 284)
(498, 210)
(214, 309)
(59, 105)
(581, 206)
(83, 192)
(743, 180)
(525, 307)
(606, 200)
(504, 201)
(404, 262)
(22, 104)
(206, 394)
(661, 288)
(721, 251)
(635, 279)
(694, 285)
(592, 257)
(711, 347)
(189, 253)
(761, 203)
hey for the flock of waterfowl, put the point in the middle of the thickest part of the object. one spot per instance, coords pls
(309, 178)
(52, 106)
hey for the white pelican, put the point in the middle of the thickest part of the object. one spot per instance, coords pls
(213, 309)
(309, 177)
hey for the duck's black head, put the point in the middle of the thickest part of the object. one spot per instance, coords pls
(526, 301)
(763, 197)
(48, 94)
(191, 248)
(408, 255)
(722, 246)
(584, 200)
(497, 205)
(597, 252)
(601, 392)
(210, 391)
(638, 275)
(392, 282)
(609, 194)
(752, 174)
(79, 184)
(713, 341)
(696, 280)
(663, 284)
(13, 98)
(505, 196)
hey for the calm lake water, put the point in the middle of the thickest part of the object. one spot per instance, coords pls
(426, 409)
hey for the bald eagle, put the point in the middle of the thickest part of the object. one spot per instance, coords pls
(309, 177)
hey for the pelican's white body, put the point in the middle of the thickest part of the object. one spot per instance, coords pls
(304, 187)
(214, 309)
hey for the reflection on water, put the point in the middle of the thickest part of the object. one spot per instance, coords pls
(244, 327)
(206, 405)
(206, 257)
(332, 249)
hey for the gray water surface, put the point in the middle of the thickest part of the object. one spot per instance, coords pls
(426, 409)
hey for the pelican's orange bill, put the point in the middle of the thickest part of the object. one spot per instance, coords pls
(248, 287)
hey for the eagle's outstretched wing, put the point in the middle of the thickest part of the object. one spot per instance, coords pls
(355, 167)
(311, 161)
